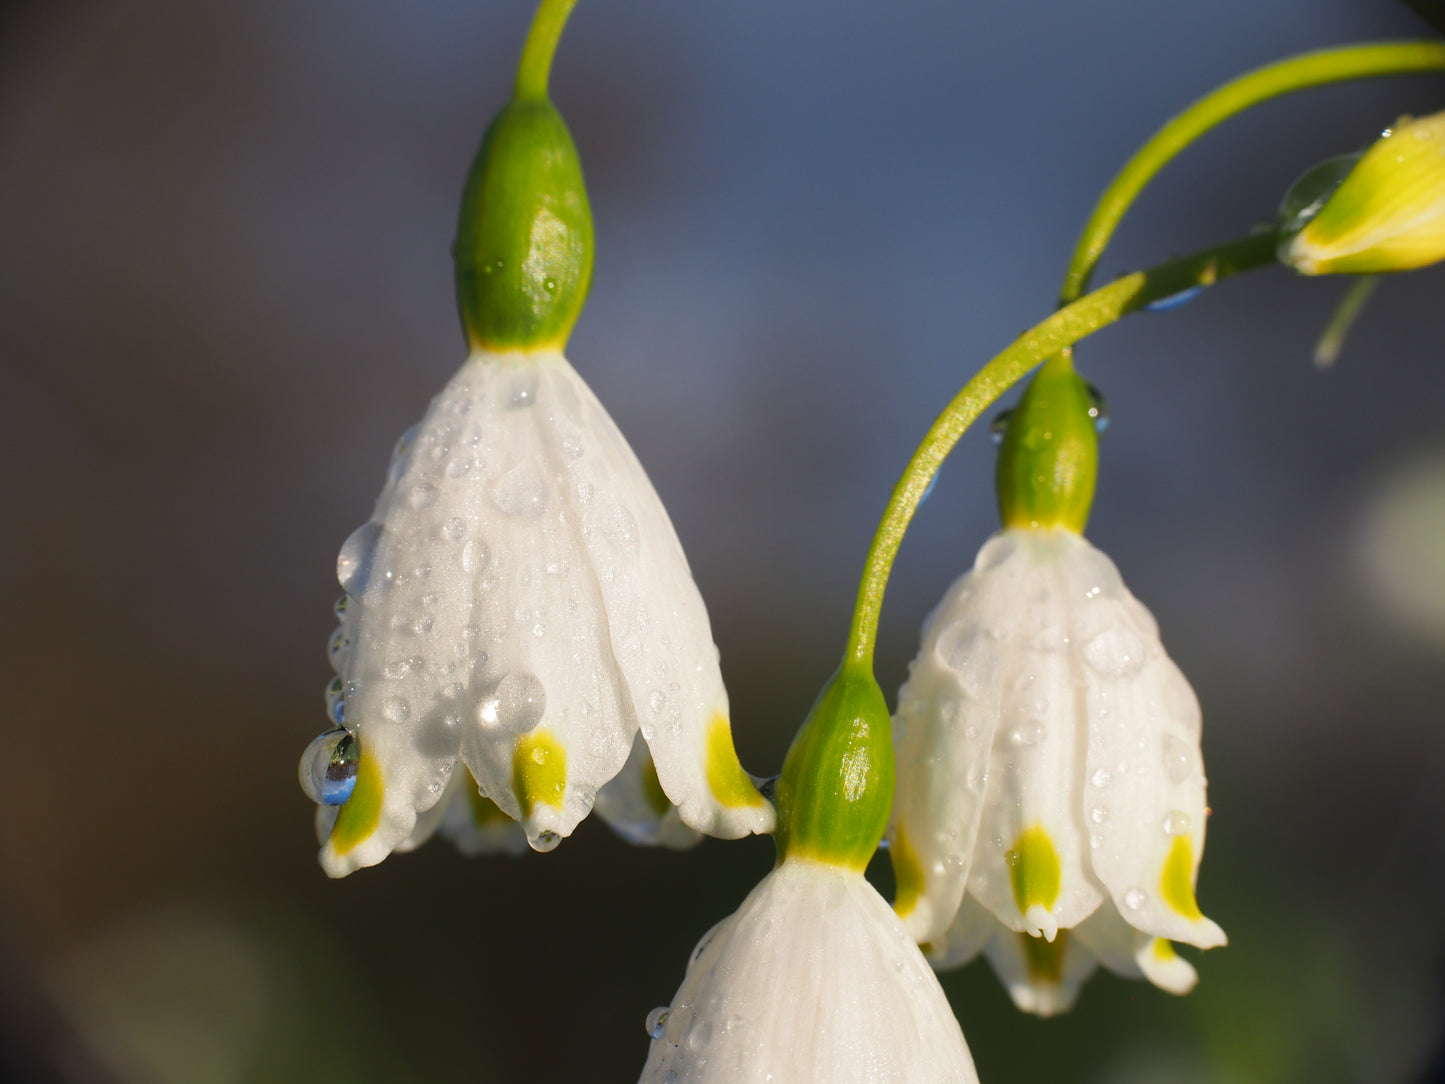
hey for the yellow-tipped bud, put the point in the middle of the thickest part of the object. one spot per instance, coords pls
(1386, 214)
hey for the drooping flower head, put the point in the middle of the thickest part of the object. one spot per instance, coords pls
(518, 609)
(1051, 795)
(814, 978)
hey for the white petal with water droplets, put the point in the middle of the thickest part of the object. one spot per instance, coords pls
(635, 807)
(812, 979)
(519, 584)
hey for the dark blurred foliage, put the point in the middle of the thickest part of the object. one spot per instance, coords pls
(225, 290)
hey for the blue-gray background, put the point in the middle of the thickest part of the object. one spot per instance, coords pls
(225, 290)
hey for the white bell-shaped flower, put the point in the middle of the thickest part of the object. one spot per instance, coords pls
(1049, 777)
(812, 979)
(519, 601)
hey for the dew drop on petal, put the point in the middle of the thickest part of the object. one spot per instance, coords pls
(1027, 734)
(1101, 778)
(328, 767)
(1179, 759)
(656, 1022)
(521, 492)
(522, 390)
(1115, 652)
(339, 607)
(353, 563)
(397, 710)
(679, 1021)
(1099, 814)
(572, 447)
(1176, 822)
(516, 704)
(337, 648)
(422, 495)
(1135, 898)
(455, 529)
(544, 841)
(619, 528)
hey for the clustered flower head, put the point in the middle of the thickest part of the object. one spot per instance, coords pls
(1051, 796)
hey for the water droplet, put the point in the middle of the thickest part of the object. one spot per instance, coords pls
(679, 1021)
(544, 841)
(620, 530)
(396, 709)
(999, 426)
(337, 648)
(456, 529)
(458, 467)
(336, 710)
(353, 563)
(474, 555)
(328, 767)
(1179, 759)
(1101, 777)
(1098, 409)
(656, 700)
(1095, 840)
(656, 1022)
(928, 489)
(522, 391)
(1135, 898)
(550, 285)
(422, 494)
(1173, 301)
(572, 447)
(516, 704)
(339, 607)
(1011, 857)
(1176, 822)
(1115, 652)
(1028, 734)
(521, 492)
(539, 629)
(1099, 814)
(334, 688)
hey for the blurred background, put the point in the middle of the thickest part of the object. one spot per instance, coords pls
(225, 290)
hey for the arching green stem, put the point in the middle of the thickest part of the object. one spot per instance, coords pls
(535, 66)
(1065, 327)
(1286, 76)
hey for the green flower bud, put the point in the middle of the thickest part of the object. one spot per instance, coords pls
(524, 241)
(836, 789)
(1387, 214)
(1050, 453)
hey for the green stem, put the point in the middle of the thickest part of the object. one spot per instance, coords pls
(536, 64)
(1065, 327)
(1296, 73)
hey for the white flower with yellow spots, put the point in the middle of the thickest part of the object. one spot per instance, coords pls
(519, 604)
(812, 979)
(1050, 808)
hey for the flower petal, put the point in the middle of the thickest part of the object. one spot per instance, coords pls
(476, 824)
(812, 979)
(634, 806)
(1030, 864)
(1043, 977)
(661, 640)
(943, 729)
(973, 926)
(1145, 791)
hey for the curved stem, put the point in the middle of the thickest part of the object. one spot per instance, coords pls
(1296, 73)
(1067, 326)
(535, 66)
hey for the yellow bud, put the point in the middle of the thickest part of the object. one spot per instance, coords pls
(1388, 213)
